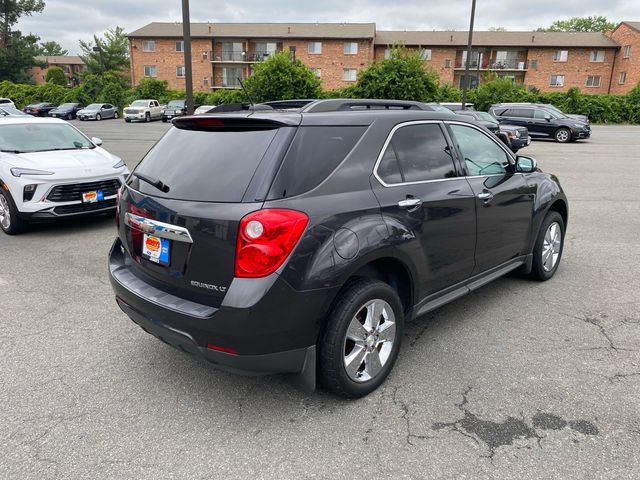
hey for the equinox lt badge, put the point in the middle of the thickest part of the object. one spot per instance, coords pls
(213, 288)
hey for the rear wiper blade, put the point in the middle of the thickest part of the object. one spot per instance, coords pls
(152, 181)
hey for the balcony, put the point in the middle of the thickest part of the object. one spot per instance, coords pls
(494, 64)
(240, 57)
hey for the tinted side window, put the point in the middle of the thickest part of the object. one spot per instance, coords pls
(314, 153)
(416, 153)
(482, 156)
(541, 114)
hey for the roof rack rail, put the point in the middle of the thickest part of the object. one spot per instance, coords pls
(240, 107)
(338, 105)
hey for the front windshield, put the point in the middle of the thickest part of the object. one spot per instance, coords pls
(6, 110)
(139, 103)
(554, 110)
(440, 108)
(41, 137)
(67, 105)
(175, 103)
(94, 106)
(486, 117)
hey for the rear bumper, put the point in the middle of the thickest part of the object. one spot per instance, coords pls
(274, 329)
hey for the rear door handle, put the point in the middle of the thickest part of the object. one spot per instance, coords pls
(410, 203)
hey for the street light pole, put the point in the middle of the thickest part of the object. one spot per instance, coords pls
(188, 72)
(465, 87)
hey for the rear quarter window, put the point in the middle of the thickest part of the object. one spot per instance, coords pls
(314, 153)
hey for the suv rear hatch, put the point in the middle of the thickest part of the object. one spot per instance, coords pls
(209, 173)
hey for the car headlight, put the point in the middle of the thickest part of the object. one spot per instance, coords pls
(18, 172)
(120, 164)
(516, 134)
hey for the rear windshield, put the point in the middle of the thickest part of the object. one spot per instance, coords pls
(207, 166)
(314, 154)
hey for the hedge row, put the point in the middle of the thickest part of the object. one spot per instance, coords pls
(112, 89)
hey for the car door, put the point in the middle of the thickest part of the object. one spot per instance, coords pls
(110, 109)
(504, 200)
(427, 204)
(543, 121)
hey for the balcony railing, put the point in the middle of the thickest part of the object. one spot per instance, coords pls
(494, 64)
(248, 57)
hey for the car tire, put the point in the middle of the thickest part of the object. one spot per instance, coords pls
(11, 224)
(69, 117)
(164, 120)
(549, 246)
(563, 135)
(127, 120)
(115, 115)
(147, 117)
(348, 366)
(98, 117)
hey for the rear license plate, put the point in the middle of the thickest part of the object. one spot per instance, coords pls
(156, 249)
(92, 197)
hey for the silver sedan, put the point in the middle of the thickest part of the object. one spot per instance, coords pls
(98, 111)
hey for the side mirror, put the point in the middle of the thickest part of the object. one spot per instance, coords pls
(526, 164)
(548, 117)
(96, 141)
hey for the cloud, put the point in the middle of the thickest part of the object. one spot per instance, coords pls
(67, 21)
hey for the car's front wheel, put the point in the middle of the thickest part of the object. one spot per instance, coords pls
(563, 135)
(548, 249)
(116, 115)
(9, 220)
(147, 117)
(98, 117)
(362, 339)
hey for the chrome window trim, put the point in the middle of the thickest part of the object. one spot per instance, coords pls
(158, 229)
(441, 123)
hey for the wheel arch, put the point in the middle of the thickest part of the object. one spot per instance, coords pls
(560, 206)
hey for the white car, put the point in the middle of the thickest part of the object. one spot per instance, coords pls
(49, 169)
(203, 109)
(6, 102)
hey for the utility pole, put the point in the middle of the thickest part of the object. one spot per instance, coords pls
(465, 87)
(188, 72)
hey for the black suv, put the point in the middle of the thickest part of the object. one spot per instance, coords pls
(512, 136)
(542, 122)
(302, 241)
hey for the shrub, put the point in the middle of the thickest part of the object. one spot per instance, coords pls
(56, 76)
(152, 89)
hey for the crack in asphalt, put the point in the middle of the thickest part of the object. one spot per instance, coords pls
(499, 434)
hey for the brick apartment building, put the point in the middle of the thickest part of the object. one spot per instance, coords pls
(72, 65)
(548, 61)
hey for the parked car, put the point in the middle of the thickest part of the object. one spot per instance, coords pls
(512, 136)
(67, 111)
(41, 109)
(456, 106)
(549, 106)
(98, 111)
(49, 169)
(9, 111)
(203, 109)
(542, 123)
(145, 110)
(6, 102)
(308, 238)
(175, 108)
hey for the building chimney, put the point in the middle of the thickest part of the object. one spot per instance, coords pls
(209, 28)
(451, 38)
(533, 38)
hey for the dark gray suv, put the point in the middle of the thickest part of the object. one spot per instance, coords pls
(301, 242)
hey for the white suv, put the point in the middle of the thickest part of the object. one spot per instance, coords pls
(49, 169)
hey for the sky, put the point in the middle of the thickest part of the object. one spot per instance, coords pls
(67, 21)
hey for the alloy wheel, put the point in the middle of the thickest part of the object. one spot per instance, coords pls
(369, 340)
(562, 136)
(5, 213)
(551, 246)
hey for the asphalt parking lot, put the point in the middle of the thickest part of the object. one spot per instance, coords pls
(517, 380)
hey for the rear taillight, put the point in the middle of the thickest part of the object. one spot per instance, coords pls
(265, 240)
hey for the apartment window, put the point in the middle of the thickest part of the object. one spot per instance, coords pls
(180, 71)
(425, 54)
(351, 48)
(557, 81)
(622, 78)
(180, 46)
(265, 49)
(232, 52)
(317, 72)
(560, 55)
(533, 64)
(205, 55)
(205, 81)
(447, 63)
(230, 76)
(315, 48)
(149, 46)
(596, 56)
(387, 53)
(593, 80)
(349, 74)
(627, 51)
(150, 71)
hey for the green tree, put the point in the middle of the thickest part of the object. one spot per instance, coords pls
(18, 56)
(403, 76)
(112, 53)
(10, 13)
(597, 23)
(280, 78)
(52, 48)
(152, 89)
(495, 89)
(56, 76)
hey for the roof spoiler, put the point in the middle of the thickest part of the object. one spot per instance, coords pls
(226, 123)
(240, 107)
